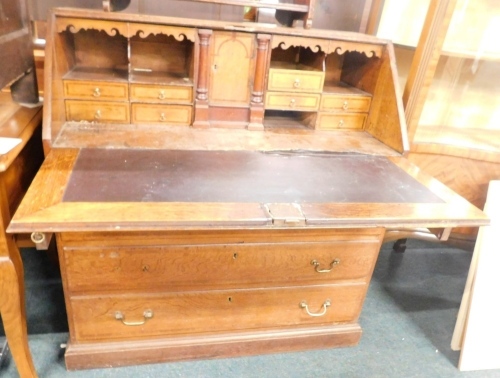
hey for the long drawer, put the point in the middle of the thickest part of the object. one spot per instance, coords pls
(97, 111)
(195, 267)
(186, 313)
(90, 90)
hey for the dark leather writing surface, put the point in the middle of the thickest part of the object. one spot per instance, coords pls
(125, 175)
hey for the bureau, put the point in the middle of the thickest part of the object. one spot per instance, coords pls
(220, 189)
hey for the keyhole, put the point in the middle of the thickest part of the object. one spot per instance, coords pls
(145, 268)
(235, 256)
(230, 299)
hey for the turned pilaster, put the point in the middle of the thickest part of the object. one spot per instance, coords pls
(201, 104)
(257, 105)
(202, 90)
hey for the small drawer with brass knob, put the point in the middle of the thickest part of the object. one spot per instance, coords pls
(331, 121)
(164, 114)
(97, 111)
(295, 80)
(292, 101)
(95, 90)
(339, 103)
(161, 93)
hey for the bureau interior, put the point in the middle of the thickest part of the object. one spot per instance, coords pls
(94, 55)
(297, 58)
(161, 59)
(155, 58)
(178, 72)
(339, 92)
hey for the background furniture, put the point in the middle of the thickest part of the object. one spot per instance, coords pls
(477, 326)
(331, 15)
(17, 165)
(448, 61)
(17, 51)
(17, 168)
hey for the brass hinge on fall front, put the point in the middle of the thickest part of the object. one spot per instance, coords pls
(285, 214)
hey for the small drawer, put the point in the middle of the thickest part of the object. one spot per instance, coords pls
(165, 114)
(161, 93)
(351, 104)
(331, 121)
(292, 101)
(97, 111)
(195, 267)
(295, 80)
(95, 90)
(124, 317)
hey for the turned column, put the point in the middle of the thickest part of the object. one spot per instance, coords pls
(257, 103)
(201, 118)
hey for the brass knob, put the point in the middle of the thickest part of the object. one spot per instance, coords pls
(161, 94)
(296, 83)
(341, 123)
(97, 92)
(162, 117)
(292, 103)
(345, 106)
(98, 114)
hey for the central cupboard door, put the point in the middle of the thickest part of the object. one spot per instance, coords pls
(232, 69)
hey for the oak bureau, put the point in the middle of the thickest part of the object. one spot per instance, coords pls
(220, 189)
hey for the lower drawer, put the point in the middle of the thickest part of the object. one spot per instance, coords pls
(167, 114)
(331, 121)
(292, 101)
(340, 103)
(108, 318)
(97, 111)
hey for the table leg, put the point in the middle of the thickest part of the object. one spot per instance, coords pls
(12, 300)
(12, 309)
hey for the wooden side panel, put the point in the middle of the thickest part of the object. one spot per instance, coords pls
(377, 76)
(232, 68)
